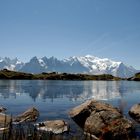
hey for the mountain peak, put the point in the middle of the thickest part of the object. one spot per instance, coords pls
(77, 64)
(34, 58)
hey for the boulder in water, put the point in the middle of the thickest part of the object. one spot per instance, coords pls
(101, 120)
(28, 116)
(134, 112)
(54, 126)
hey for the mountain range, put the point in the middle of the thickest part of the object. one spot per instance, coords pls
(84, 64)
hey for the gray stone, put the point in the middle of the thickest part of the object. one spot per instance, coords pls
(54, 126)
(134, 112)
(101, 120)
(28, 116)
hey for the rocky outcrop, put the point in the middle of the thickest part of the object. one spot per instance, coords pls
(28, 116)
(54, 126)
(134, 112)
(4, 121)
(2, 109)
(101, 120)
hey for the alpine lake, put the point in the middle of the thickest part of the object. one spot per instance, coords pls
(55, 98)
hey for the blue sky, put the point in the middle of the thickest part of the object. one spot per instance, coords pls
(63, 28)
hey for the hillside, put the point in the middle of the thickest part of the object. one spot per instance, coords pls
(7, 74)
(135, 78)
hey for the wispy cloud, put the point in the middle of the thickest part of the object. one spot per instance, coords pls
(94, 45)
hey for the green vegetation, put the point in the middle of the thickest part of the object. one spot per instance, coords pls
(6, 74)
(66, 76)
(136, 77)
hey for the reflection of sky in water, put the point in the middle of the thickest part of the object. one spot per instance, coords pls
(74, 90)
(54, 99)
(51, 95)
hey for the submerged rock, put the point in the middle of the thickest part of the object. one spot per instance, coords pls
(28, 116)
(54, 126)
(134, 112)
(5, 121)
(101, 120)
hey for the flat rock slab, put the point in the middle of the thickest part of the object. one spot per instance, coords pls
(134, 112)
(101, 120)
(54, 126)
(30, 115)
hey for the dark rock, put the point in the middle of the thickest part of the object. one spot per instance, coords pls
(101, 120)
(28, 116)
(54, 126)
(2, 109)
(134, 112)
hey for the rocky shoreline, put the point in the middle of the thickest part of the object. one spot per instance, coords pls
(98, 120)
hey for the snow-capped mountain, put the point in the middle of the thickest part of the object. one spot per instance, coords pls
(95, 65)
(84, 64)
(11, 64)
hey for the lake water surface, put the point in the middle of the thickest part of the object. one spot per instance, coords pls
(54, 99)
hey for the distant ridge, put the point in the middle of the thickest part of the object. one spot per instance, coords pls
(84, 64)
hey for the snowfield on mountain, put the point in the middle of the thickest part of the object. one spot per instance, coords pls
(83, 64)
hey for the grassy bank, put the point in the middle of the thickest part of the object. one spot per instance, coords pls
(6, 74)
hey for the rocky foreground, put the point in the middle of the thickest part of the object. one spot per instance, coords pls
(102, 121)
(99, 121)
(31, 115)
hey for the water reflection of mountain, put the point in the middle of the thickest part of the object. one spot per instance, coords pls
(49, 89)
(10, 88)
(74, 90)
(102, 90)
